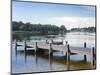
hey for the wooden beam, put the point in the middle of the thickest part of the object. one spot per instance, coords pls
(93, 53)
(15, 46)
(50, 54)
(52, 41)
(66, 42)
(85, 57)
(25, 46)
(46, 41)
(36, 52)
(36, 47)
(68, 57)
(85, 45)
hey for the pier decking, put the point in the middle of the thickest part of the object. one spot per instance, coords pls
(50, 47)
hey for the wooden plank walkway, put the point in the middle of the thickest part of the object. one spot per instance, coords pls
(63, 48)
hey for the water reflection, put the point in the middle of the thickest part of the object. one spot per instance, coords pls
(29, 61)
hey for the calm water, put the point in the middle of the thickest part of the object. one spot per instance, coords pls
(24, 63)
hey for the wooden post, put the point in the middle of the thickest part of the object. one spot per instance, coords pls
(16, 48)
(68, 57)
(52, 41)
(46, 41)
(85, 58)
(50, 54)
(84, 44)
(93, 53)
(62, 42)
(36, 47)
(25, 46)
(36, 52)
(66, 42)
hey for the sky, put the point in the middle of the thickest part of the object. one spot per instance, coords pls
(71, 16)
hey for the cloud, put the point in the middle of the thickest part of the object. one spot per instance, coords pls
(71, 22)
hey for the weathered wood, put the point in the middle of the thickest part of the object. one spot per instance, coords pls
(66, 42)
(51, 41)
(50, 47)
(93, 53)
(15, 46)
(25, 46)
(43, 45)
(50, 54)
(36, 48)
(36, 52)
(46, 41)
(68, 57)
(85, 57)
(85, 45)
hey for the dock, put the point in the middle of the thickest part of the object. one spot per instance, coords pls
(53, 46)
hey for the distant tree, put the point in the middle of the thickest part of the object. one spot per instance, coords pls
(63, 29)
(85, 29)
(38, 28)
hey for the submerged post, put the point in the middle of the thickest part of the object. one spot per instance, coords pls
(66, 42)
(84, 44)
(15, 47)
(93, 53)
(25, 46)
(85, 58)
(36, 55)
(50, 54)
(52, 41)
(36, 47)
(46, 41)
(68, 57)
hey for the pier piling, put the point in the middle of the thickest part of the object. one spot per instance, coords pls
(25, 46)
(16, 46)
(68, 56)
(50, 54)
(85, 57)
(93, 53)
(36, 52)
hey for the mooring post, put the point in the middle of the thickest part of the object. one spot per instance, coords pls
(85, 58)
(52, 41)
(25, 46)
(68, 56)
(67, 48)
(36, 52)
(15, 45)
(93, 53)
(50, 54)
(66, 42)
(84, 44)
(62, 42)
(36, 47)
(46, 41)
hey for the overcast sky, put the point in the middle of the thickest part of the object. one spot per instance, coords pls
(58, 14)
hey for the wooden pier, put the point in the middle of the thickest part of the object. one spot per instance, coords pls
(50, 47)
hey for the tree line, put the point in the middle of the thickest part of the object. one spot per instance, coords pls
(85, 29)
(38, 28)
